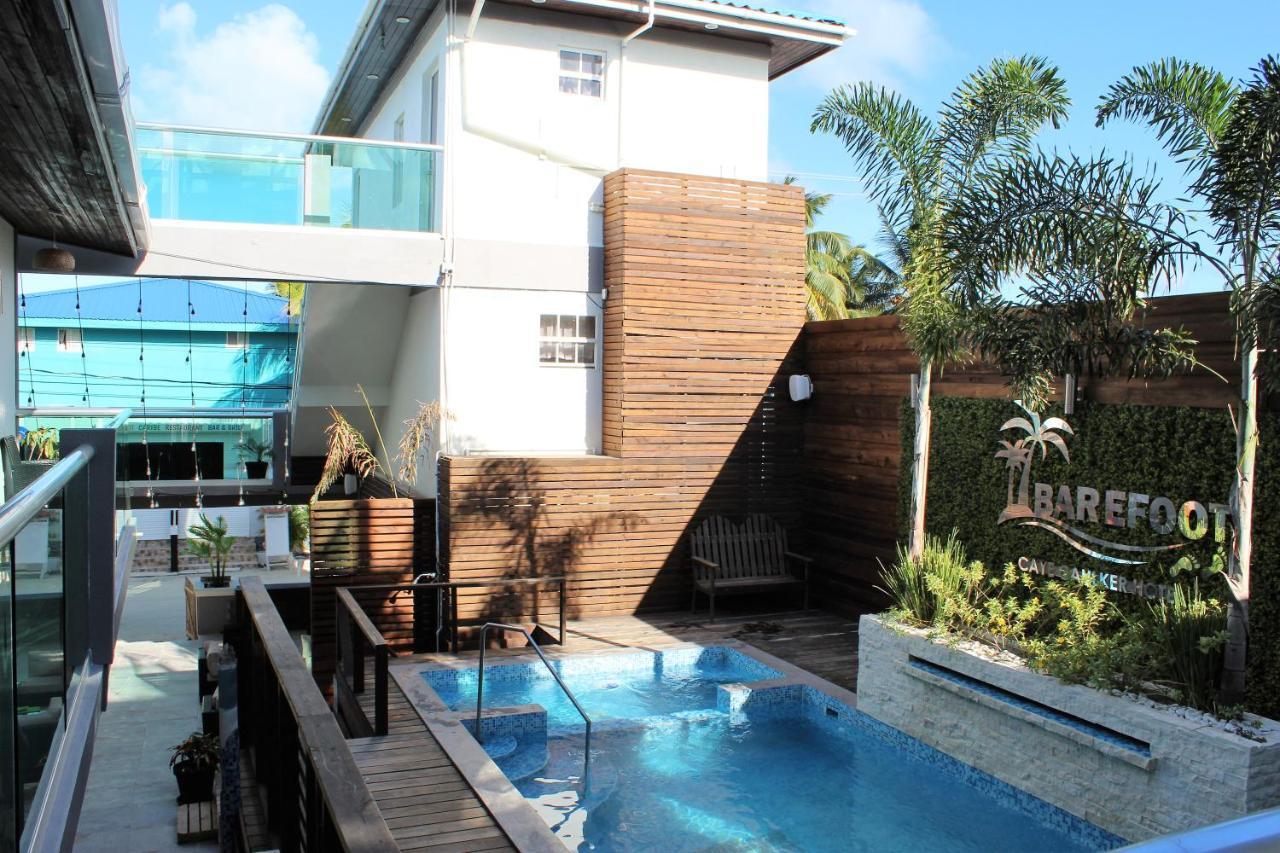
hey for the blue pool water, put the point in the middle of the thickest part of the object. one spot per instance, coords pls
(687, 754)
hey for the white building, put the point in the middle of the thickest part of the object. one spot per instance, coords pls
(532, 103)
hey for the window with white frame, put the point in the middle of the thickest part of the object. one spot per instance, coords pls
(26, 339)
(237, 340)
(70, 340)
(582, 73)
(567, 340)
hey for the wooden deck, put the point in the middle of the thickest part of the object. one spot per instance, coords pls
(429, 806)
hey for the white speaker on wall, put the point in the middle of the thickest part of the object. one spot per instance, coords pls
(801, 387)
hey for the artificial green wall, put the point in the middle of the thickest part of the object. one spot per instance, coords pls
(1182, 453)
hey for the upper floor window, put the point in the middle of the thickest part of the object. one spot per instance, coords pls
(70, 340)
(237, 340)
(567, 339)
(582, 73)
(26, 340)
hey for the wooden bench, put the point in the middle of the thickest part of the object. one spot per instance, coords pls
(747, 557)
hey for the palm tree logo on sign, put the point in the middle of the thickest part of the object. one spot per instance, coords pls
(1021, 453)
(1055, 514)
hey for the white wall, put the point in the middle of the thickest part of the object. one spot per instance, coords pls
(153, 524)
(502, 399)
(523, 213)
(8, 331)
(416, 379)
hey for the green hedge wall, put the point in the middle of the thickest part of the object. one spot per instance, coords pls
(1181, 453)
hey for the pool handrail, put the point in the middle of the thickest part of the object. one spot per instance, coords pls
(502, 626)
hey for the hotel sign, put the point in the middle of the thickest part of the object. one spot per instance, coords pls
(1062, 510)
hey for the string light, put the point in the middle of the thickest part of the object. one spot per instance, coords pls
(84, 365)
(191, 379)
(28, 336)
(142, 375)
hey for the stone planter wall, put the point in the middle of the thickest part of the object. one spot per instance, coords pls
(1132, 769)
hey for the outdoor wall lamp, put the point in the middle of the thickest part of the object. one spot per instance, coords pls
(801, 387)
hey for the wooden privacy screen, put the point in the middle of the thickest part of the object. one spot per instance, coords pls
(861, 371)
(706, 303)
(359, 543)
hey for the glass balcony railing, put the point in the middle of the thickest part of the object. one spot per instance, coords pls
(282, 179)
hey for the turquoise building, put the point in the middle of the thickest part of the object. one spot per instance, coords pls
(162, 345)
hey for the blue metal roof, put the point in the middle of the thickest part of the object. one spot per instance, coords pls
(164, 300)
(790, 13)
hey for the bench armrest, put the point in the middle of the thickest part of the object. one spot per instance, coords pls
(794, 556)
(707, 564)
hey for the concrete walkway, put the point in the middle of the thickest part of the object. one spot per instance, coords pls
(131, 799)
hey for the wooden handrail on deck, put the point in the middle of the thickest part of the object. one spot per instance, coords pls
(348, 677)
(316, 796)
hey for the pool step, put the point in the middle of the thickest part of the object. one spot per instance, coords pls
(523, 760)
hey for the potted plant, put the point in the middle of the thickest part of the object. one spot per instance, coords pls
(194, 763)
(257, 470)
(209, 539)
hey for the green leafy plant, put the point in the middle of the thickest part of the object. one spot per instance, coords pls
(1189, 632)
(299, 526)
(260, 449)
(198, 751)
(1012, 607)
(1089, 641)
(210, 540)
(941, 587)
(38, 444)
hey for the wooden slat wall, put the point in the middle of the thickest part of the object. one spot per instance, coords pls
(387, 541)
(706, 303)
(861, 371)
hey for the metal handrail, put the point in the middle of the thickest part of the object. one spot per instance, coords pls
(23, 506)
(300, 137)
(484, 632)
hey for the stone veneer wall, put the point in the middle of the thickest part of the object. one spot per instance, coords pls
(1194, 775)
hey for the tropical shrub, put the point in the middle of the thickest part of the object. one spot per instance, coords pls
(210, 540)
(1189, 633)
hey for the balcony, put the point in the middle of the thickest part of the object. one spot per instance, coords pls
(202, 174)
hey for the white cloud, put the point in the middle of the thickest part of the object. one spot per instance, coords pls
(896, 42)
(256, 71)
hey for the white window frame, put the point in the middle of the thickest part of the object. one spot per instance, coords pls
(580, 74)
(70, 340)
(26, 339)
(558, 341)
(237, 340)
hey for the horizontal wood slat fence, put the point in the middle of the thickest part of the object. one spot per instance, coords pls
(706, 302)
(368, 542)
(861, 370)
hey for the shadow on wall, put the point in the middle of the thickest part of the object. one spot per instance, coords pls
(514, 501)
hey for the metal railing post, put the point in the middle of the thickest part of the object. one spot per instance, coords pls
(484, 641)
(99, 531)
(562, 617)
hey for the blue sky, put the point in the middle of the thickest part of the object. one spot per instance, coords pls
(205, 61)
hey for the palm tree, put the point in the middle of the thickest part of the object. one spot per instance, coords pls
(913, 170)
(826, 274)
(1042, 434)
(879, 284)
(1016, 455)
(1227, 138)
(294, 291)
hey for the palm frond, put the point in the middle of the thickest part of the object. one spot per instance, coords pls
(997, 111)
(1187, 104)
(891, 143)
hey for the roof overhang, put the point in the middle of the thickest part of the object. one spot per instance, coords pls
(68, 165)
(388, 29)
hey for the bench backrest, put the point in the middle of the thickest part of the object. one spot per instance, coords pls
(752, 549)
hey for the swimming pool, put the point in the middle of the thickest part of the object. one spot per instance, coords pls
(719, 748)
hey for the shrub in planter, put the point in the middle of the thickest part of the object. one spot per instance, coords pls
(194, 763)
(257, 470)
(209, 539)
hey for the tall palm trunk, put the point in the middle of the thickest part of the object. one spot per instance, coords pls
(1235, 653)
(920, 459)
